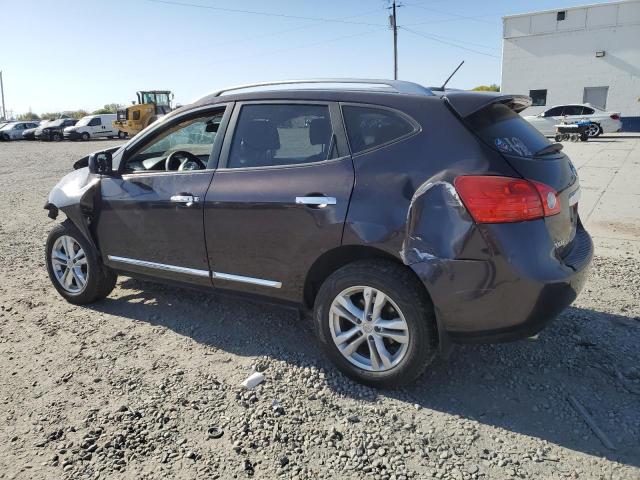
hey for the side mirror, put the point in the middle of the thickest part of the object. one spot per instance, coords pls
(100, 163)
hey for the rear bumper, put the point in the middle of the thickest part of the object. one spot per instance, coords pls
(507, 297)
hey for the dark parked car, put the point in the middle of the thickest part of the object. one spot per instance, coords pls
(54, 130)
(30, 133)
(402, 217)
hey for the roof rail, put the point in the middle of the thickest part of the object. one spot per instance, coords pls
(399, 86)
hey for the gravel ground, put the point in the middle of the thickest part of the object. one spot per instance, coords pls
(146, 383)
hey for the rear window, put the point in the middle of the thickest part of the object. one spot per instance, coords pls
(369, 127)
(506, 131)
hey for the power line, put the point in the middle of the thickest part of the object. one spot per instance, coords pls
(270, 34)
(266, 14)
(435, 39)
(455, 40)
(457, 15)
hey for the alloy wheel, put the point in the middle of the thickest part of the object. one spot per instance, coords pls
(593, 130)
(69, 263)
(368, 328)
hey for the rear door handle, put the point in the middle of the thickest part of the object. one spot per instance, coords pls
(320, 202)
(188, 200)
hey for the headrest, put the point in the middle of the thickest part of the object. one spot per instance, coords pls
(319, 131)
(260, 134)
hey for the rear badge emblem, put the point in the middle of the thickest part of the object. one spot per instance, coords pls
(551, 200)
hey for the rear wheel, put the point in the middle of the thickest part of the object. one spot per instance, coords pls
(594, 130)
(85, 136)
(376, 324)
(74, 267)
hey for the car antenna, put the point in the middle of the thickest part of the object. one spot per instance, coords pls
(449, 78)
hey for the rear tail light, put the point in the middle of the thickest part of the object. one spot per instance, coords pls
(492, 199)
(615, 116)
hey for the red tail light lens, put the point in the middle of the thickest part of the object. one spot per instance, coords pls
(492, 199)
(615, 116)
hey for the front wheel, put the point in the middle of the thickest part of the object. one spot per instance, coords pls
(376, 323)
(86, 136)
(74, 267)
(121, 134)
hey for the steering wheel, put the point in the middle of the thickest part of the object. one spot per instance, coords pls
(182, 160)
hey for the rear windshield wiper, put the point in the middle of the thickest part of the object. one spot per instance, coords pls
(553, 148)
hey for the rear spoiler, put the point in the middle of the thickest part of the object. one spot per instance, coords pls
(466, 103)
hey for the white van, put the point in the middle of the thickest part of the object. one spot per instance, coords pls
(92, 126)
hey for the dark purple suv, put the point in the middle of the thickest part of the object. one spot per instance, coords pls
(403, 217)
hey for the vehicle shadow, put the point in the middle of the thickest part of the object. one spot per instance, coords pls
(521, 386)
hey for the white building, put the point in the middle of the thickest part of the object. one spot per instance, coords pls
(588, 54)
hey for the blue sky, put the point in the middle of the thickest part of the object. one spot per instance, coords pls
(84, 54)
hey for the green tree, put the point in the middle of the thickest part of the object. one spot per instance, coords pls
(28, 116)
(108, 108)
(487, 88)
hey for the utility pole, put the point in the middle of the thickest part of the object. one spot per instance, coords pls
(394, 26)
(4, 111)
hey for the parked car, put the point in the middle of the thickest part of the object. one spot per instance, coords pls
(54, 130)
(92, 126)
(30, 133)
(602, 121)
(404, 219)
(13, 130)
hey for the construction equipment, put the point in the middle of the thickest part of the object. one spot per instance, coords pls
(152, 104)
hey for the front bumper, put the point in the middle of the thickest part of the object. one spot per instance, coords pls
(72, 135)
(508, 297)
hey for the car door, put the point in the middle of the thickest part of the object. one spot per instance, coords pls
(95, 127)
(279, 198)
(572, 113)
(151, 214)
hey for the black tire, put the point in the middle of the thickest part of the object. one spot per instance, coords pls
(122, 134)
(85, 136)
(584, 137)
(599, 132)
(558, 137)
(402, 287)
(6, 137)
(100, 280)
(56, 137)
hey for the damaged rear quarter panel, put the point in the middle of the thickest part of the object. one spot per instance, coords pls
(404, 201)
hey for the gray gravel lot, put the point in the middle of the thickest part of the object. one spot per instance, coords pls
(145, 384)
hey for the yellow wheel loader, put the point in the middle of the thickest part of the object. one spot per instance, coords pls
(151, 105)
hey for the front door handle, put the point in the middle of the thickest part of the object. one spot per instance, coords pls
(188, 200)
(319, 202)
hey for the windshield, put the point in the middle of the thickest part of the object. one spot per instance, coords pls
(83, 121)
(506, 131)
(55, 123)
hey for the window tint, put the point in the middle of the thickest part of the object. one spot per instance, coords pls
(194, 136)
(553, 112)
(587, 111)
(506, 131)
(267, 135)
(572, 110)
(95, 122)
(368, 127)
(538, 97)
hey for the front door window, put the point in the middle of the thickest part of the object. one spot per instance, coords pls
(185, 146)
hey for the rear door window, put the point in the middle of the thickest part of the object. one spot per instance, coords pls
(506, 131)
(572, 110)
(370, 127)
(587, 111)
(280, 134)
(553, 112)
